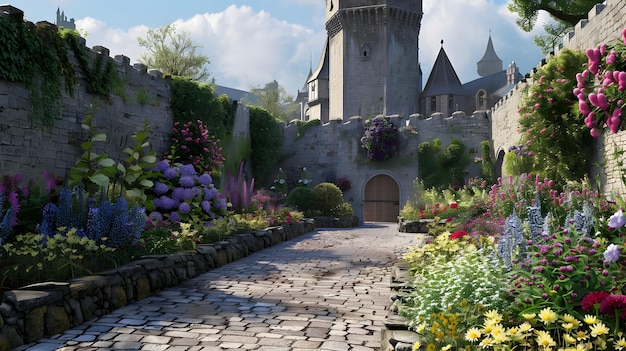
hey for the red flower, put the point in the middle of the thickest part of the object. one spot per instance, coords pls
(454, 205)
(593, 299)
(613, 302)
(458, 234)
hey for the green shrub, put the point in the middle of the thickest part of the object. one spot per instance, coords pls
(344, 209)
(327, 197)
(266, 140)
(301, 198)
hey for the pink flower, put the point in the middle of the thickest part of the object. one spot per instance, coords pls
(613, 302)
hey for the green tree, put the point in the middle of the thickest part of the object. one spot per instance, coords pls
(274, 99)
(266, 141)
(565, 11)
(554, 32)
(173, 53)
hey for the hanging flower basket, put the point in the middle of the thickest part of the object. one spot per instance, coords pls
(380, 139)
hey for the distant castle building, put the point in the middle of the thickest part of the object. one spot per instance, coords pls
(369, 66)
(62, 20)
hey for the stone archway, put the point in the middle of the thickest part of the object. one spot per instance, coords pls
(381, 201)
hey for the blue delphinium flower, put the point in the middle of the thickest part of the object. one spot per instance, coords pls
(612, 253)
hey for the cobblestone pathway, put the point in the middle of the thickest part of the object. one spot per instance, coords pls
(326, 290)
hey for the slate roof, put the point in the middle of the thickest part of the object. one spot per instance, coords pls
(443, 78)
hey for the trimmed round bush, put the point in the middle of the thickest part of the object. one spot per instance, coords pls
(327, 197)
(301, 198)
(344, 209)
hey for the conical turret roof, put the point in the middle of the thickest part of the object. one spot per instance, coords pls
(490, 63)
(443, 78)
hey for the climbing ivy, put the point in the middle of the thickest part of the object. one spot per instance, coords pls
(36, 56)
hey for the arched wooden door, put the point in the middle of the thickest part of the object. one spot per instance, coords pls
(381, 200)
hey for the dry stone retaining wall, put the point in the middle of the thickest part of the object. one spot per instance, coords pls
(40, 310)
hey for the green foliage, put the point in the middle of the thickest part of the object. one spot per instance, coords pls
(301, 198)
(135, 174)
(173, 53)
(566, 11)
(276, 101)
(344, 209)
(554, 136)
(36, 56)
(266, 142)
(193, 101)
(304, 126)
(143, 97)
(327, 197)
(99, 70)
(94, 171)
(442, 168)
(487, 171)
(32, 258)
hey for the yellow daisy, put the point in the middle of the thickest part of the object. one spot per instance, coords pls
(497, 330)
(568, 318)
(416, 346)
(567, 326)
(446, 348)
(570, 340)
(494, 316)
(485, 343)
(581, 335)
(529, 316)
(620, 344)
(525, 327)
(599, 329)
(589, 319)
(544, 339)
(548, 316)
(473, 334)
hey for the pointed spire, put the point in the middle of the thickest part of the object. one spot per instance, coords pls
(490, 63)
(443, 78)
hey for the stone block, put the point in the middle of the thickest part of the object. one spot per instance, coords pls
(34, 324)
(56, 320)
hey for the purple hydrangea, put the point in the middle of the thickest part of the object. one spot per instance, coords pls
(168, 203)
(220, 204)
(205, 179)
(210, 194)
(162, 166)
(206, 206)
(190, 193)
(174, 217)
(187, 170)
(178, 194)
(187, 181)
(184, 208)
(170, 173)
(160, 188)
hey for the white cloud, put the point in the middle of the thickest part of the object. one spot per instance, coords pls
(248, 48)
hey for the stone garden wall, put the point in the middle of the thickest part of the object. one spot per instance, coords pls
(604, 24)
(29, 149)
(42, 310)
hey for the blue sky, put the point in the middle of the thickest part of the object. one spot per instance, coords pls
(253, 42)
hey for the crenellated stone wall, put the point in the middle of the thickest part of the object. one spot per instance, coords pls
(333, 150)
(603, 25)
(29, 149)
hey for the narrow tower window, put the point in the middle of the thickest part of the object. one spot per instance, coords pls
(365, 52)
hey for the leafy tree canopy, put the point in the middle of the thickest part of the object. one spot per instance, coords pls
(173, 53)
(565, 11)
(276, 101)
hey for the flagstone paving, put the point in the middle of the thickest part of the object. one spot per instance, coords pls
(325, 290)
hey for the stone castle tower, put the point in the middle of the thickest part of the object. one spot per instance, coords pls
(370, 61)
